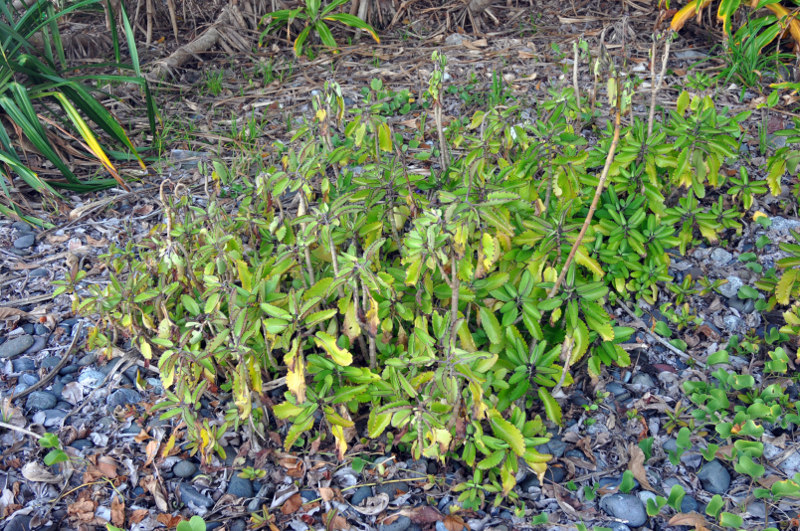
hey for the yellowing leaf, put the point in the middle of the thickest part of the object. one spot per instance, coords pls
(687, 12)
(340, 356)
(491, 250)
(351, 327)
(506, 431)
(245, 277)
(583, 258)
(341, 443)
(384, 137)
(371, 318)
(295, 377)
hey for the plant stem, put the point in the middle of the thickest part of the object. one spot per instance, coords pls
(598, 191)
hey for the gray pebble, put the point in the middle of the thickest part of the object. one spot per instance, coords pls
(237, 525)
(38, 400)
(689, 504)
(732, 323)
(731, 288)
(88, 359)
(721, 257)
(39, 343)
(401, 524)
(29, 379)
(361, 494)
(616, 526)
(50, 361)
(27, 328)
(24, 241)
(643, 379)
(52, 417)
(21, 226)
(69, 370)
(23, 364)
(391, 489)
(189, 494)
(121, 397)
(15, 346)
(41, 330)
(626, 507)
(81, 444)
(714, 477)
(240, 487)
(91, 378)
(791, 465)
(183, 468)
(39, 272)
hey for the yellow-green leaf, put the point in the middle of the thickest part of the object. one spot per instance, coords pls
(340, 356)
(506, 431)
(551, 407)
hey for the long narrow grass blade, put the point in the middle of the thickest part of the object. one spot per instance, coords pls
(91, 141)
(26, 174)
(130, 38)
(112, 16)
(26, 120)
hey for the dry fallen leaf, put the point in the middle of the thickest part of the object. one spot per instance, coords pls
(326, 493)
(7, 312)
(373, 505)
(291, 505)
(117, 511)
(692, 519)
(150, 450)
(36, 472)
(636, 466)
(454, 523)
(150, 484)
(335, 521)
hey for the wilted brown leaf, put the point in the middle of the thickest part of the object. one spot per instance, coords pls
(692, 519)
(424, 514)
(138, 515)
(82, 510)
(7, 312)
(636, 466)
(117, 511)
(35, 472)
(170, 520)
(150, 484)
(150, 450)
(454, 523)
(291, 505)
(326, 493)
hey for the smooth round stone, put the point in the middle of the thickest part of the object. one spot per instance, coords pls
(50, 417)
(237, 525)
(41, 330)
(392, 489)
(39, 272)
(240, 487)
(81, 444)
(69, 370)
(626, 507)
(25, 241)
(16, 346)
(58, 388)
(39, 400)
(189, 494)
(39, 342)
(72, 321)
(616, 389)
(689, 504)
(88, 359)
(401, 524)
(361, 494)
(122, 397)
(183, 468)
(616, 526)
(643, 379)
(50, 361)
(21, 226)
(91, 378)
(714, 477)
(29, 379)
(23, 364)
(307, 495)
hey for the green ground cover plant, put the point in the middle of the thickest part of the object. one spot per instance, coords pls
(448, 293)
